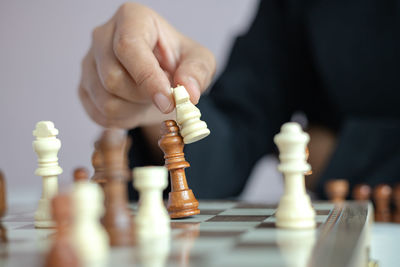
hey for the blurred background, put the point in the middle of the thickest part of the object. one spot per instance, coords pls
(42, 44)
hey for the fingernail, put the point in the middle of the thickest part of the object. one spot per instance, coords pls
(195, 85)
(162, 102)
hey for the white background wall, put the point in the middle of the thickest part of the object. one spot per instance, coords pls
(42, 43)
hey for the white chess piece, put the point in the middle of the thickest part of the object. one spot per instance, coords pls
(152, 219)
(46, 146)
(188, 117)
(294, 210)
(88, 236)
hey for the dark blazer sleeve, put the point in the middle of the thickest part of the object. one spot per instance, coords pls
(243, 110)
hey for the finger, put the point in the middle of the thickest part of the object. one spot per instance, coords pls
(195, 70)
(113, 76)
(110, 106)
(99, 118)
(135, 38)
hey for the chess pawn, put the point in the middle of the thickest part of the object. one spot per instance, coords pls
(188, 117)
(382, 195)
(294, 210)
(117, 219)
(46, 146)
(3, 198)
(112, 148)
(81, 175)
(396, 201)
(361, 192)
(98, 166)
(88, 236)
(181, 200)
(62, 252)
(152, 219)
(337, 190)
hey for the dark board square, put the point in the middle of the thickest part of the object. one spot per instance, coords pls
(266, 225)
(237, 218)
(210, 212)
(255, 206)
(323, 212)
(255, 245)
(218, 234)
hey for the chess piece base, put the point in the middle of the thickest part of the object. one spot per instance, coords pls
(295, 213)
(182, 204)
(43, 215)
(196, 136)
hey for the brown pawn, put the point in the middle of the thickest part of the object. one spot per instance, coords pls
(117, 218)
(361, 192)
(3, 198)
(382, 194)
(62, 252)
(181, 200)
(98, 166)
(3, 207)
(337, 190)
(81, 175)
(396, 201)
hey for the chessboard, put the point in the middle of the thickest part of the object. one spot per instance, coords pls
(225, 233)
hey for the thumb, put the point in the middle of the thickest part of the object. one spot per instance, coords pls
(195, 70)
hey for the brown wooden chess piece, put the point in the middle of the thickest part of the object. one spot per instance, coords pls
(396, 201)
(81, 175)
(3, 198)
(117, 218)
(361, 192)
(181, 201)
(98, 166)
(382, 195)
(3, 207)
(62, 252)
(337, 190)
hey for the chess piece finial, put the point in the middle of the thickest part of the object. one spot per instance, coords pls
(152, 219)
(117, 219)
(382, 196)
(337, 190)
(81, 174)
(62, 252)
(361, 192)
(294, 210)
(3, 197)
(396, 201)
(46, 147)
(88, 236)
(181, 201)
(188, 117)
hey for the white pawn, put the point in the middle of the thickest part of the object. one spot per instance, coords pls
(152, 219)
(89, 238)
(46, 147)
(294, 210)
(188, 117)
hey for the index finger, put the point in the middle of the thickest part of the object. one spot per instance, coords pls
(135, 38)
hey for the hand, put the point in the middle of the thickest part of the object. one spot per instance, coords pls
(134, 60)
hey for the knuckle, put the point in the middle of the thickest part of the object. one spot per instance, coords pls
(110, 108)
(111, 81)
(123, 44)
